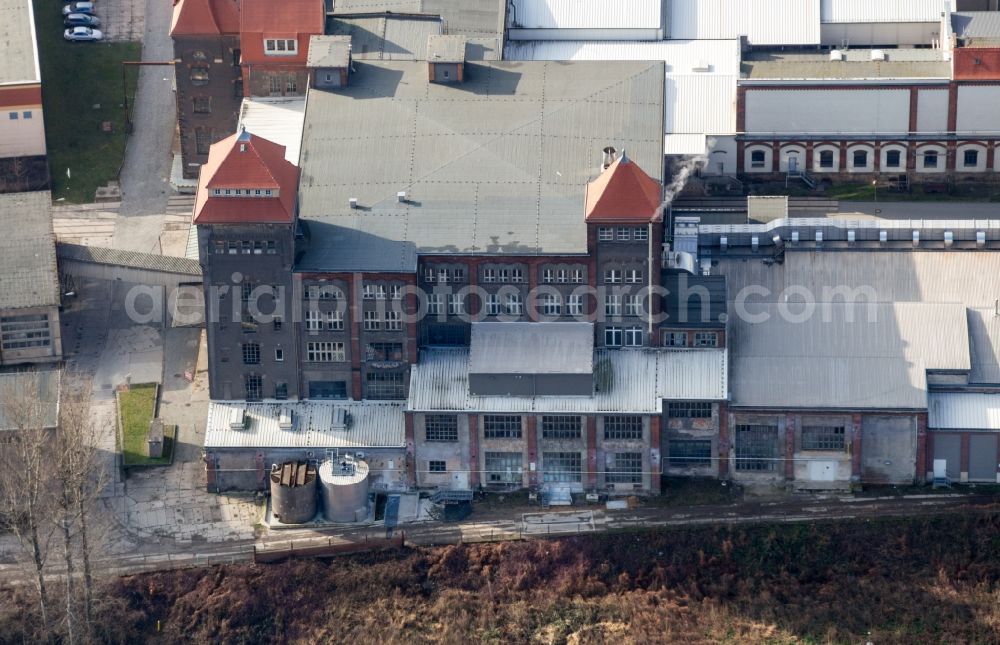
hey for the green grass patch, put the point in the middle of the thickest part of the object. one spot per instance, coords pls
(971, 192)
(137, 406)
(76, 77)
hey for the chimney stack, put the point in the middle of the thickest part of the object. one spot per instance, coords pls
(609, 157)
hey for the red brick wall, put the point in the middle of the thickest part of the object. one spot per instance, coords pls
(977, 64)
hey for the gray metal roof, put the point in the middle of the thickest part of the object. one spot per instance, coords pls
(329, 51)
(963, 411)
(386, 37)
(129, 259)
(446, 49)
(693, 300)
(18, 52)
(976, 24)
(532, 348)
(28, 274)
(857, 64)
(42, 390)
(373, 424)
(497, 164)
(984, 339)
(626, 381)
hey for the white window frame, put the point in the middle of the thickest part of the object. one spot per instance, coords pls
(281, 47)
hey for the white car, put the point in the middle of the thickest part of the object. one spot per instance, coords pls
(78, 7)
(82, 34)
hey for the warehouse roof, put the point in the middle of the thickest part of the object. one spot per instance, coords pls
(894, 11)
(34, 399)
(963, 411)
(585, 14)
(386, 36)
(976, 24)
(329, 51)
(763, 22)
(28, 274)
(497, 164)
(277, 119)
(370, 424)
(693, 300)
(129, 259)
(857, 64)
(984, 339)
(532, 348)
(18, 51)
(626, 381)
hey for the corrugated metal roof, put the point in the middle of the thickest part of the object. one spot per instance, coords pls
(480, 20)
(984, 339)
(626, 381)
(833, 11)
(976, 24)
(585, 14)
(128, 259)
(329, 51)
(857, 64)
(28, 274)
(495, 165)
(963, 411)
(764, 22)
(18, 52)
(37, 389)
(684, 144)
(372, 425)
(688, 92)
(386, 37)
(276, 119)
(531, 348)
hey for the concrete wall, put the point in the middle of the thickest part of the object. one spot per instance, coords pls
(454, 454)
(879, 33)
(22, 129)
(977, 109)
(888, 449)
(932, 110)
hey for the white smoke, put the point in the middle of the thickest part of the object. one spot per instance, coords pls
(681, 176)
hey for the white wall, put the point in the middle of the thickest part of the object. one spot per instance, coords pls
(932, 110)
(942, 159)
(764, 22)
(981, 159)
(978, 108)
(867, 34)
(816, 158)
(21, 137)
(827, 111)
(902, 158)
(721, 150)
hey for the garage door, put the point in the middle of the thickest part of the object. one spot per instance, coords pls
(949, 447)
(888, 450)
(983, 457)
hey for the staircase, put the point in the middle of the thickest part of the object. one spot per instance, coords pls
(800, 174)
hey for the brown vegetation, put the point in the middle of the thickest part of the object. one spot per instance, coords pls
(904, 581)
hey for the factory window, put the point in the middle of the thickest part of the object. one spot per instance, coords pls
(512, 304)
(13, 116)
(970, 158)
(757, 159)
(640, 234)
(633, 306)
(199, 75)
(335, 321)
(314, 320)
(612, 276)
(613, 336)
(860, 159)
(675, 339)
(280, 46)
(395, 292)
(516, 276)
(384, 352)
(624, 468)
(323, 292)
(281, 390)
(252, 387)
(612, 305)
(430, 275)
(623, 427)
(633, 336)
(373, 321)
(437, 466)
(279, 354)
(393, 321)
(826, 159)
(706, 339)
(561, 467)
(489, 275)
(202, 140)
(623, 233)
(503, 467)
(561, 427)
(503, 275)
(633, 276)
(548, 275)
(248, 320)
(456, 306)
(373, 292)
(502, 426)
(684, 453)
(202, 104)
(893, 158)
(291, 84)
(577, 276)
(574, 305)
(689, 409)
(276, 323)
(551, 304)
(275, 84)
(325, 352)
(385, 385)
(22, 332)
(327, 389)
(493, 305)
(435, 304)
(251, 353)
(756, 448)
(605, 234)
(441, 428)
(823, 438)
(931, 159)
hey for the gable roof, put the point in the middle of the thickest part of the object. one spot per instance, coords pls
(28, 275)
(198, 17)
(294, 17)
(624, 192)
(244, 160)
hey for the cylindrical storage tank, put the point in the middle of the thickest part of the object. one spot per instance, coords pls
(344, 487)
(293, 492)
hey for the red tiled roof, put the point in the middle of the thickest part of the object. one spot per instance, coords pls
(624, 192)
(288, 17)
(244, 160)
(198, 17)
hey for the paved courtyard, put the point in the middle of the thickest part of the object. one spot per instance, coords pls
(122, 20)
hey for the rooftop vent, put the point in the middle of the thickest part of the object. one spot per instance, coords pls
(795, 237)
(353, 201)
(878, 54)
(949, 238)
(755, 242)
(916, 238)
(819, 237)
(401, 196)
(836, 54)
(851, 237)
(980, 238)
(701, 66)
(723, 242)
(237, 419)
(883, 237)
(286, 419)
(609, 156)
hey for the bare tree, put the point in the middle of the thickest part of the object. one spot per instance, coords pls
(25, 489)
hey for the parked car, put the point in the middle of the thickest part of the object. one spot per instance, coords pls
(78, 7)
(81, 20)
(82, 34)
